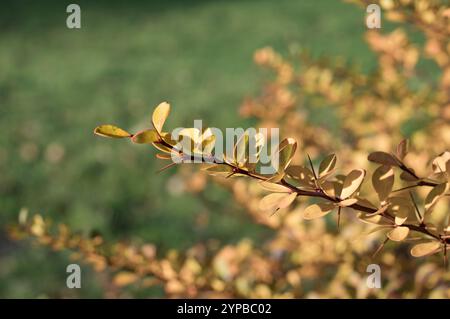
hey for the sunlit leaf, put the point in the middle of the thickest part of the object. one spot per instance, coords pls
(401, 208)
(276, 201)
(327, 165)
(398, 233)
(383, 181)
(160, 115)
(348, 202)
(434, 195)
(352, 182)
(302, 174)
(276, 188)
(439, 164)
(111, 131)
(282, 157)
(219, 170)
(241, 149)
(146, 137)
(383, 158)
(317, 210)
(425, 249)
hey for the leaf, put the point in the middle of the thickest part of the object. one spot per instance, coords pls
(327, 165)
(302, 174)
(317, 210)
(373, 219)
(348, 202)
(407, 176)
(398, 233)
(425, 249)
(282, 157)
(160, 115)
(125, 278)
(241, 151)
(146, 137)
(400, 207)
(111, 131)
(439, 164)
(383, 181)
(276, 201)
(383, 158)
(434, 195)
(352, 182)
(276, 188)
(377, 229)
(402, 149)
(219, 170)
(208, 141)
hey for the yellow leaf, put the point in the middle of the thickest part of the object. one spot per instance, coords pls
(383, 181)
(111, 131)
(348, 202)
(219, 170)
(276, 188)
(400, 207)
(434, 195)
(276, 201)
(160, 115)
(302, 174)
(327, 165)
(282, 157)
(145, 137)
(439, 164)
(124, 278)
(425, 249)
(398, 233)
(317, 210)
(352, 182)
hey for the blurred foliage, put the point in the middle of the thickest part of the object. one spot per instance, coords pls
(60, 83)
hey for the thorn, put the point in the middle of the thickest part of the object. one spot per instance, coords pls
(231, 174)
(380, 248)
(339, 217)
(415, 206)
(445, 257)
(276, 210)
(165, 167)
(312, 167)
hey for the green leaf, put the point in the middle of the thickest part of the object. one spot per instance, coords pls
(111, 131)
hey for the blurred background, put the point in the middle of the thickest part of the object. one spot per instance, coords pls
(57, 84)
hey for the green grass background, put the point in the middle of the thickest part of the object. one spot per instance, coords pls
(57, 84)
